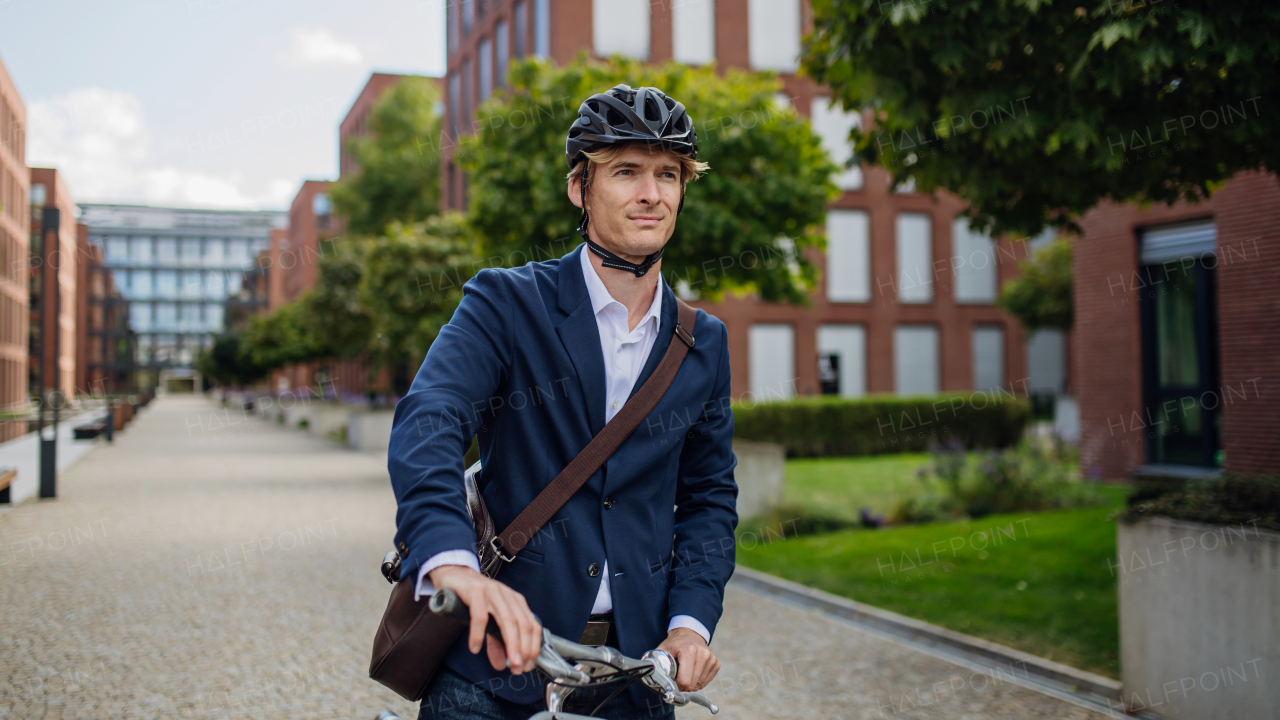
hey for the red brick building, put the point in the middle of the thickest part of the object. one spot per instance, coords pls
(1178, 339)
(906, 300)
(49, 190)
(15, 221)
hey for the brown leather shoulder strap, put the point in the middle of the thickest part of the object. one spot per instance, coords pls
(553, 497)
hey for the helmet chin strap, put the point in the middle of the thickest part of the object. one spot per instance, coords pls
(609, 259)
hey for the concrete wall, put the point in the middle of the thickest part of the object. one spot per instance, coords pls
(760, 471)
(370, 431)
(1199, 619)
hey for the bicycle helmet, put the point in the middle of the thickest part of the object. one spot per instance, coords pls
(625, 115)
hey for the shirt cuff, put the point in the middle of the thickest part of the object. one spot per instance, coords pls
(687, 621)
(466, 558)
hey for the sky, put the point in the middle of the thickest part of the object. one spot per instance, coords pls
(203, 103)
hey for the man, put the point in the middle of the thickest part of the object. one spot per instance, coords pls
(533, 363)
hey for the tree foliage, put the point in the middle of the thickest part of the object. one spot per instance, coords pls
(399, 173)
(769, 177)
(412, 283)
(1034, 111)
(1043, 296)
(228, 362)
(280, 338)
(333, 314)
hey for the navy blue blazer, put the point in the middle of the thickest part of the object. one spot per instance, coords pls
(520, 366)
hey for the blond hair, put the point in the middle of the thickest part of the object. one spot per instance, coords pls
(690, 169)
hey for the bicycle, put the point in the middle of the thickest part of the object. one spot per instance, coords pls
(571, 666)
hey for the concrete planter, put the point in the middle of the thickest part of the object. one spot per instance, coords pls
(328, 419)
(370, 431)
(1199, 619)
(760, 471)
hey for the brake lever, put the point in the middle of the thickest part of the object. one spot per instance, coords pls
(663, 681)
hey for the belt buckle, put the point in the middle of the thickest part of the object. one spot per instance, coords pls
(596, 633)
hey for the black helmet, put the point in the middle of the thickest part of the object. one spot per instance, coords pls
(624, 115)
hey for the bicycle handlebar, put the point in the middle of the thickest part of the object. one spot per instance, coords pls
(570, 665)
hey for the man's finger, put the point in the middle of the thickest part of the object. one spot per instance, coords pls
(533, 638)
(497, 653)
(510, 627)
(479, 619)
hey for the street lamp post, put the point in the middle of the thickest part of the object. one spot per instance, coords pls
(50, 221)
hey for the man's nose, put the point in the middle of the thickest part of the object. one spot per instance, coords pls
(649, 192)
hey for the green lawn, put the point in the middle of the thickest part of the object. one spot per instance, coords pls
(1041, 584)
(842, 486)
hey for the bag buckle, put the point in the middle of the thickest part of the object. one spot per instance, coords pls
(496, 546)
(684, 335)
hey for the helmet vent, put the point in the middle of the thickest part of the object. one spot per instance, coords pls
(651, 112)
(615, 118)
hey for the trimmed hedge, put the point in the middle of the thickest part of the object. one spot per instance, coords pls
(1232, 500)
(876, 425)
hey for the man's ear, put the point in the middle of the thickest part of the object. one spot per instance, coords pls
(575, 195)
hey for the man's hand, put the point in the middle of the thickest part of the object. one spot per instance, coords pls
(698, 665)
(485, 597)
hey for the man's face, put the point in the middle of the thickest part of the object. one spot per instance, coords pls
(632, 201)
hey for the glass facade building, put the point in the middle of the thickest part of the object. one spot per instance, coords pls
(183, 275)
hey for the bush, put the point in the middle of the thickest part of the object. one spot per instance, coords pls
(1027, 478)
(787, 521)
(1232, 500)
(825, 426)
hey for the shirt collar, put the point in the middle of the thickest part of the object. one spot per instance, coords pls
(600, 297)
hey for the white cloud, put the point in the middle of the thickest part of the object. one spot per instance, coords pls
(99, 140)
(317, 46)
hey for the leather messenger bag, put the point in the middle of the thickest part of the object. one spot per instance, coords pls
(411, 641)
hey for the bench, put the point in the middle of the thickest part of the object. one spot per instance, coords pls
(7, 476)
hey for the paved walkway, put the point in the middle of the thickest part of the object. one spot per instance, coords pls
(212, 565)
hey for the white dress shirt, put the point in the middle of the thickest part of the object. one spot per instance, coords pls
(625, 352)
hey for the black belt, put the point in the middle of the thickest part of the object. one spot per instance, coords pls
(599, 630)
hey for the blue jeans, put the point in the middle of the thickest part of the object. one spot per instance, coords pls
(453, 697)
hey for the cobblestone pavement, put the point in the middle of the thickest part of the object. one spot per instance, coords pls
(212, 565)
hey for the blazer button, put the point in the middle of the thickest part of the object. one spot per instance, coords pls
(593, 570)
(608, 503)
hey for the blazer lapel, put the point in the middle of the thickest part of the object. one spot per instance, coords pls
(581, 336)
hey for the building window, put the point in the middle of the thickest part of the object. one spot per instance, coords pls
(503, 49)
(620, 27)
(39, 195)
(522, 29)
(1179, 322)
(468, 16)
(468, 85)
(486, 69)
(140, 284)
(848, 256)
(455, 103)
(842, 360)
(915, 360)
(915, 259)
(1047, 363)
(166, 251)
(693, 31)
(542, 28)
(973, 262)
(773, 362)
(140, 316)
(833, 126)
(140, 251)
(988, 357)
(451, 23)
(773, 34)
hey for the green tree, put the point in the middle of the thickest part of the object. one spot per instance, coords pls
(399, 173)
(279, 338)
(332, 312)
(1034, 111)
(227, 362)
(769, 180)
(1042, 296)
(411, 284)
